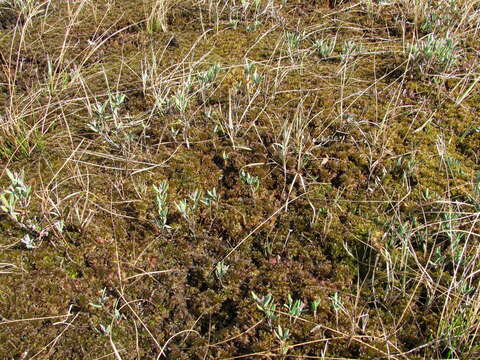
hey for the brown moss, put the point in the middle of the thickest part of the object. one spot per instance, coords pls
(353, 181)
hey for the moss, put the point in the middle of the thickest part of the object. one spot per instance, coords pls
(350, 190)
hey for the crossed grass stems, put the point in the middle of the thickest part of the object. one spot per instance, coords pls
(402, 262)
(436, 53)
(21, 191)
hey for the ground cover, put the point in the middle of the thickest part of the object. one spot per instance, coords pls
(239, 179)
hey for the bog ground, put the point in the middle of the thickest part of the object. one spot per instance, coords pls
(239, 179)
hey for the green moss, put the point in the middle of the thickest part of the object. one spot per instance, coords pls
(364, 169)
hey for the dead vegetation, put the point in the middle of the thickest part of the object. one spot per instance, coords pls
(239, 179)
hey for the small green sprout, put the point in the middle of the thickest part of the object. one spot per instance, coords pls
(161, 204)
(18, 187)
(337, 304)
(454, 165)
(162, 102)
(432, 53)
(257, 78)
(113, 105)
(221, 270)
(18, 193)
(324, 48)
(295, 308)
(117, 315)
(195, 197)
(293, 40)
(187, 207)
(8, 204)
(250, 180)
(282, 335)
(251, 73)
(349, 50)
(183, 207)
(207, 77)
(249, 68)
(180, 100)
(267, 305)
(101, 301)
(314, 306)
(106, 120)
(29, 242)
(115, 101)
(431, 22)
(211, 197)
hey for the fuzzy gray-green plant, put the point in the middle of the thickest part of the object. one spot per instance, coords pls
(16, 195)
(267, 305)
(433, 53)
(324, 48)
(161, 203)
(252, 181)
(221, 270)
(294, 307)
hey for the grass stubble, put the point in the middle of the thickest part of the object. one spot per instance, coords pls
(239, 179)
